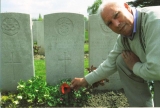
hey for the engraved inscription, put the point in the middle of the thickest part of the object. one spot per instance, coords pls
(105, 28)
(10, 26)
(64, 26)
(12, 62)
(65, 57)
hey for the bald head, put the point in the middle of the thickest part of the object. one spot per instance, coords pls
(106, 3)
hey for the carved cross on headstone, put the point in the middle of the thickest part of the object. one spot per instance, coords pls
(65, 57)
(13, 62)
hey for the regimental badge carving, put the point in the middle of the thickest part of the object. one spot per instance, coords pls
(10, 26)
(64, 26)
(105, 28)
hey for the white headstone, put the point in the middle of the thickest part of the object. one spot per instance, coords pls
(86, 25)
(17, 50)
(101, 42)
(64, 46)
(40, 36)
(34, 31)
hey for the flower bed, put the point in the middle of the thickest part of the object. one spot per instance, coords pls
(37, 93)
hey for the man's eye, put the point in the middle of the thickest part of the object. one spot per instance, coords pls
(116, 15)
(109, 23)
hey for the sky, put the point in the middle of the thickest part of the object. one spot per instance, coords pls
(43, 7)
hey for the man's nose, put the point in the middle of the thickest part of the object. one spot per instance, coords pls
(116, 23)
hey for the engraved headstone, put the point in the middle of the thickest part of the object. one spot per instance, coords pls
(17, 51)
(64, 46)
(101, 42)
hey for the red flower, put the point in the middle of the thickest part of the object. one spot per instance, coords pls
(65, 88)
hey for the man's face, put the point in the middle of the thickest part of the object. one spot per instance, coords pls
(118, 18)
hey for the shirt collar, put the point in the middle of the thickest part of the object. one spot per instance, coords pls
(134, 11)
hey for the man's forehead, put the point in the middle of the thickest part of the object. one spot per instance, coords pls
(109, 12)
(111, 8)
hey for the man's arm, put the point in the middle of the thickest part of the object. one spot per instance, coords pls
(150, 70)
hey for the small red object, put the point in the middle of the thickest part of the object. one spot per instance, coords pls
(65, 88)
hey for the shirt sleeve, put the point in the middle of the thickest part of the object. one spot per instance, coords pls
(150, 70)
(106, 68)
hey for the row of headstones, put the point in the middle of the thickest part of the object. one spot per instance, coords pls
(64, 48)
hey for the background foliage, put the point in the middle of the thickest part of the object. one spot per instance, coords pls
(144, 3)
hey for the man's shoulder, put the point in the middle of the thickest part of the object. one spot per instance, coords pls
(150, 13)
(150, 9)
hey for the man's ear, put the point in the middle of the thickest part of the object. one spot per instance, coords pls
(127, 7)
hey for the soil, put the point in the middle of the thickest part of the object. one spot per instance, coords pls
(106, 98)
(39, 57)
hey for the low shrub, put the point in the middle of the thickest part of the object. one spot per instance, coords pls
(36, 49)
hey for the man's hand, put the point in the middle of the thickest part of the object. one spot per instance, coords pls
(76, 83)
(130, 59)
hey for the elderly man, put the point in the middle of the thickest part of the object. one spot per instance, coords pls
(136, 54)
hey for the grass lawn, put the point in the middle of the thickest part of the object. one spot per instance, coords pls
(85, 47)
(40, 68)
(86, 35)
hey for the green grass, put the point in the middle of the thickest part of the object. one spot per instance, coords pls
(86, 35)
(40, 68)
(86, 47)
(86, 65)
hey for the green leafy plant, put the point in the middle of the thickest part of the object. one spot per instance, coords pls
(36, 92)
(36, 49)
(69, 98)
(151, 86)
(9, 100)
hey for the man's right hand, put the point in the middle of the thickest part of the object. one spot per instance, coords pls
(76, 83)
(130, 59)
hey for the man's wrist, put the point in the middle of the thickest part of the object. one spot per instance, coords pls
(85, 83)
